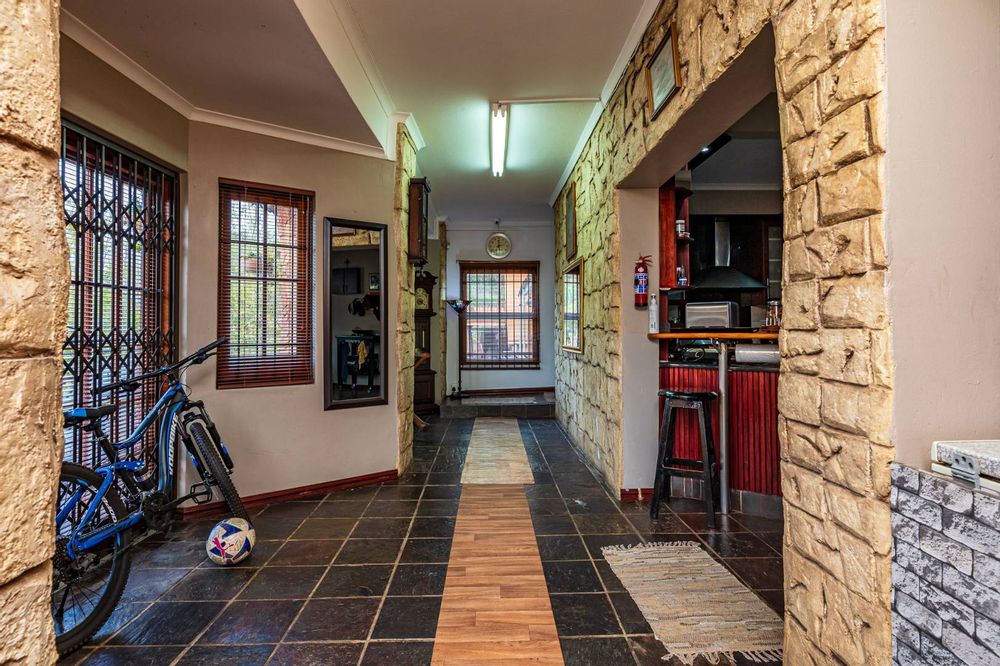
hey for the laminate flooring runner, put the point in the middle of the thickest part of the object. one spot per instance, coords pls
(495, 608)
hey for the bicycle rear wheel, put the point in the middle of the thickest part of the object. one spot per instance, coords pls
(216, 470)
(86, 589)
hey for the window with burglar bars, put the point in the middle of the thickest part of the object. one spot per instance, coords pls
(499, 330)
(265, 285)
(122, 234)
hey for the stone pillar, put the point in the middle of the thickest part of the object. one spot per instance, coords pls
(34, 278)
(406, 168)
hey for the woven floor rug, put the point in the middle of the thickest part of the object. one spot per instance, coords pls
(695, 607)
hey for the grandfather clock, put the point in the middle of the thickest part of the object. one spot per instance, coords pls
(423, 376)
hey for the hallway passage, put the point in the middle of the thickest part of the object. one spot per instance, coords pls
(412, 572)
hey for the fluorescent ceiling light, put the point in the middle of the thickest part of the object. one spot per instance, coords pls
(498, 136)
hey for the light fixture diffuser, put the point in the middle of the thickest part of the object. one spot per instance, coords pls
(498, 136)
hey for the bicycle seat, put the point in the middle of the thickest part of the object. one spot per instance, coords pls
(84, 414)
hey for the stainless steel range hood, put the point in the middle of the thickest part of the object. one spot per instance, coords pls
(722, 275)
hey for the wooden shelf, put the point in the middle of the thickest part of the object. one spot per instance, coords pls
(711, 335)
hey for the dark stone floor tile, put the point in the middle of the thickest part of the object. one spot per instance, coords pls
(277, 527)
(591, 504)
(547, 506)
(369, 551)
(215, 584)
(368, 580)
(311, 552)
(542, 490)
(760, 573)
(381, 528)
(391, 508)
(252, 622)
(553, 525)
(432, 527)
(402, 653)
(737, 544)
(592, 651)
(120, 616)
(629, 614)
(398, 492)
(168, 623)
(775, 599)
(133, 656)
(542, 478)
(684, 505)
(611, 582)
(288, 510)
(699, 523)
(584, 615)
(334, 619)
(759, 523)
(191, 530)
(671, 537)
(665, 522)
(426, 551)
(561, 548)
(412, 478)
(571, 577)
(442, 492)
(340, 509)
(283, 583)
(603, 523)
(444, 478)
(408, 617)
(418, 579)
(151, 583)
(773, 539)
(648, 651)
(324, 528)
(438, 508)
(363, 492)
(317, 654)
(228, 655)
(595, 542)
(171, 555)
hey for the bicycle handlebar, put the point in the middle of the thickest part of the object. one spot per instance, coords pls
(196, 358)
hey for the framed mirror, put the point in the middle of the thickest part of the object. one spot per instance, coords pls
(355, 334)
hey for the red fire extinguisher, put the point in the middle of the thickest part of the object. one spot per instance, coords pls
(642, 282)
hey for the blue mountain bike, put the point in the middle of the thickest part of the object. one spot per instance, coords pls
(99, 512)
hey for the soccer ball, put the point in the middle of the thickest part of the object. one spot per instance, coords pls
(230, 541)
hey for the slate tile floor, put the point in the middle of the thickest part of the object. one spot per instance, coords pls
(356, 577)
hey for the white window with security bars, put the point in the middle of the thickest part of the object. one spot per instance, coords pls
(266, 302)
(499, 330)
(121, 230)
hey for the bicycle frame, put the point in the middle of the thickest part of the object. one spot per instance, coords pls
(170, 404)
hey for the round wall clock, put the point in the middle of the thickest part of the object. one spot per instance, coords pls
(498, 245)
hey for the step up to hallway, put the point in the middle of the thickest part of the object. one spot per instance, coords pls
(541, 405)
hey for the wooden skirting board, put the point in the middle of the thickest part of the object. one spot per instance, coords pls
(511, 391)
(201, 510)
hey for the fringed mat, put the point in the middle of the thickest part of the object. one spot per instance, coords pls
(695, 607)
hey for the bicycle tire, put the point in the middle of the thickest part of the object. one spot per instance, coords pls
(209, 455)
(73, 639)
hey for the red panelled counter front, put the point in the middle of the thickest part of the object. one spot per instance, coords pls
(754, 453)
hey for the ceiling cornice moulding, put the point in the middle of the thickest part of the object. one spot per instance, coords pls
(107, 52)
(632, 41)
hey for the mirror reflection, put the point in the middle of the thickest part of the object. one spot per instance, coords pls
(355, 304)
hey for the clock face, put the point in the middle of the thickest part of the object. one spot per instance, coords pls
(498, 245)
(423, 301)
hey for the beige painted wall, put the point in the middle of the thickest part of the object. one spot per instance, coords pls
(943, 238)
(638, 215)
(96, 93)
(281, 437)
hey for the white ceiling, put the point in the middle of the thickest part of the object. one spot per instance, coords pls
(254, 59)
(445, 60)
(752, 158)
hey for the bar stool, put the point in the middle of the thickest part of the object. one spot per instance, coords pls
(668, 465)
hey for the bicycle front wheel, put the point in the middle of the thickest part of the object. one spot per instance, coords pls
(86, 588)
(216, 470)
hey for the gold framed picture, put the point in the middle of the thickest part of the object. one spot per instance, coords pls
(663, 73)
(571, 221)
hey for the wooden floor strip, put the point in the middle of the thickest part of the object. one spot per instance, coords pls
(496, 454)
(496, 607)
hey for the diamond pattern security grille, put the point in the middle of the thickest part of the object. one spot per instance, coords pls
(122, 235)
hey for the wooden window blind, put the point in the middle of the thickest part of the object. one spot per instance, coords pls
(121, 229)
(265, 285)
(499, 330)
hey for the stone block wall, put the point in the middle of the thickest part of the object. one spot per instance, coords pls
(835, 392)
(406, 168)
(945, 571)
(34, 278)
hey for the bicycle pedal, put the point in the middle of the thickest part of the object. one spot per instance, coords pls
(201, 493)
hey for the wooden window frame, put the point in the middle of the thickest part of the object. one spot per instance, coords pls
(577, 267)
(534, 363)
(267, 370)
